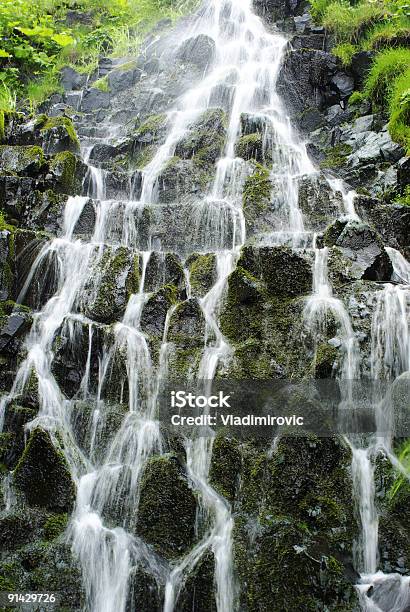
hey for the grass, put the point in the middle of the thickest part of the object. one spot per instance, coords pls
(392, 33)
(404, 458)
(345, 52)
(347, 23)
(399, 107)
(387, 67)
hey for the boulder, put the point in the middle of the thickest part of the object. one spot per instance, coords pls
(167, 508)
(363, 247)
(94, 99)
(155, 311)
(58, 134)
(113, 278)
(123, 77)
(187, 324)
(205, 137)
(273, 10)
(68, 172)
(21, 160)
(202, 272)
(318, 202)
(181, 179)
(42, 475)
(163, 269)
(198, 50)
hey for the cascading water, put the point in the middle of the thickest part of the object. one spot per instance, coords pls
(102, 529)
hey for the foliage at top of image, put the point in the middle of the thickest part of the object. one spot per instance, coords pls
(38, 38)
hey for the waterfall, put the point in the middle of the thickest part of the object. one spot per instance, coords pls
(102, 530)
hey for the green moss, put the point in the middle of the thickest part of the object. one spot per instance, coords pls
(225, 466)
(202, 273)
(357, 97)
(42, 474)
(399, 106)
(126, 66)
(55, 525)
(256, 193)
(167, 508)
(102, 84)
(388, 65)
(250, 146)
(404, 199)
(64, 165)
(345, 52)
(151, 125)
(65, 123)
(336, 156)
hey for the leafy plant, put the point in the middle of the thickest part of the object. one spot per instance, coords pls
(345, 52)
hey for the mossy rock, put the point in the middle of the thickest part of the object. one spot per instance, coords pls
(187, 325)
(42, 475)
(277, 547)
(256, 194)
(205, 138)
(18, 527)
(167, 508)
(21, 160)
(202, 272)
(250, 147)
(144, 593)
(6, 262)
(181, 180)
(59, 134)
(69, 172)
(55, 525)
(116, 277)
(224, 472)
(325, 358)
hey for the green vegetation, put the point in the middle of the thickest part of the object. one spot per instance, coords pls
(38, 38)
(403, 456)
(382, 27)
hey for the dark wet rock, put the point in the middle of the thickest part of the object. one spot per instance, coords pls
(94, 100)
(58, 134)
(103, 155)
(363, 247)
(343, 83)
(71, 80)
(42, 474)
(21, 160)
(360, 66)
(167, 508)
(250, 147)
(198, 50)
(13, 328)
(71, 354)
(163, 269)
(205, 138)
(273, 10)
(198, 592)
(15, 418)
(284, 271)
(181, 179)
(123, 77)
(371, 147)
(257, 198)
(144, 592)
(187, 324)
(155, 310)
(305, 80)
(391, 221)
(403, 173)
(6, 271)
